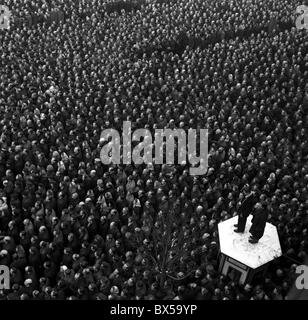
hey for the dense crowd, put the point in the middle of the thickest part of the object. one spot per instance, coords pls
(73, 228)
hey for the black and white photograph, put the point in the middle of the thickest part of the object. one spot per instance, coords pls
(153, 150)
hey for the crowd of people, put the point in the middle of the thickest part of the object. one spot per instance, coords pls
(73, 228)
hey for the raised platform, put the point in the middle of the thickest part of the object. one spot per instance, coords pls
(236, 245)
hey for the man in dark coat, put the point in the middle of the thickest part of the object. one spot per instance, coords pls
(244, 211)
(259, 219)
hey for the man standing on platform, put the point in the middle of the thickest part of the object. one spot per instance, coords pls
(259, 219)
(244, 211)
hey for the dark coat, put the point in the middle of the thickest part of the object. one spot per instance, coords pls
(247, 205)
(258, 223)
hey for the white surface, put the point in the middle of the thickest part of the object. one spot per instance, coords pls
(236, 245)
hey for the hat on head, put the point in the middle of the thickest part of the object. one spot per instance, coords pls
(3, 253)
(28, 282)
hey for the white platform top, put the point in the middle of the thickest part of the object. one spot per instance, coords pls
(236, 245)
